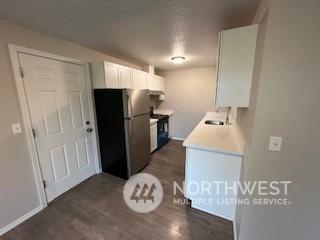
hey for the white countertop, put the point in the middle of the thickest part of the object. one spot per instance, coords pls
(163, 111)
(223, 139)
(153, 120)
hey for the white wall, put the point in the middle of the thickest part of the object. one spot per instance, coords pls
(17, 187)
(285, 101)
(190, 93)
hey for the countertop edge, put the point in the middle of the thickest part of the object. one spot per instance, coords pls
(153, 121)
(168, 112)
(237, 139)
(210, 149)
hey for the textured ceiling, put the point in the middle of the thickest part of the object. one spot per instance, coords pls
(144, 31)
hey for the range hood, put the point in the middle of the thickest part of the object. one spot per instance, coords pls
(156, 92)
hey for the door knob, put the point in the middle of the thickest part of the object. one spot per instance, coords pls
(89, 130)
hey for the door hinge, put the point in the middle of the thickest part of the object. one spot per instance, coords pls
(44, 183)
(34, 132)
(21, 72)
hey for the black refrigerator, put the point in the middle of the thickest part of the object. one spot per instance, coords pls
(123, 121)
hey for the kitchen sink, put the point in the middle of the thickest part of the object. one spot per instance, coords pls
(214, 122)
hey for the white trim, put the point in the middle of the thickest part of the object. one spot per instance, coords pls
(20, 220)
(14, 50)
(235, 237)
(261, 11)
(93, 121)
(17, 49)
(178, 138)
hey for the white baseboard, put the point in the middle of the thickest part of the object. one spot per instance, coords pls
(178, 138)
(235, 237)
(20, 220)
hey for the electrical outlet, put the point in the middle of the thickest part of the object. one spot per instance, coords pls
(275, 143)
(16, 128)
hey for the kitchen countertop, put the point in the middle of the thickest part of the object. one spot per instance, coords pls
(163, 111)
(153, 120)
(222, 139)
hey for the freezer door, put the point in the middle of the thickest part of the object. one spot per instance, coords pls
(136, 102)
(138, 142)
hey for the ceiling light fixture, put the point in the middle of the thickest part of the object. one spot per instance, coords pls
(178, 59)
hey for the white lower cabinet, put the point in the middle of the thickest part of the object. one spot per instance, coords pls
(171, 122)
(212, 171)
(153, 136)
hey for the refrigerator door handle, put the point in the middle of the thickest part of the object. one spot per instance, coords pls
(129, 106)
(130, 129)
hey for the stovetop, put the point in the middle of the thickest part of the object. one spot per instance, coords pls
(158, 116)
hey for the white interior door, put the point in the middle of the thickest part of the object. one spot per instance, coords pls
(58, 101)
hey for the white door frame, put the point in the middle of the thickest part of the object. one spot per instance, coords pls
(14, 50)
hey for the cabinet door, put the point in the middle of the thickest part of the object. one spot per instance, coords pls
(214, 167)
(160, 83)
(153, 137)
(124, 78)
(111, 75)
(151, 140)
(235, 66)
(155, 83)
(171, 122)
(139, 80)
(150, 82)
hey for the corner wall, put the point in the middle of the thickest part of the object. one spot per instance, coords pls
(286, 104)
(190, 94)
(18, 194)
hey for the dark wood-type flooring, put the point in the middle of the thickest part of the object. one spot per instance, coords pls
(96, 210)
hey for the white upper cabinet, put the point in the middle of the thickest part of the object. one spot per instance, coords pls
(139, 80)
(111, 75)
(155, 82)
(151, 82)
(124, 77)
(159, 83)
(235, 66)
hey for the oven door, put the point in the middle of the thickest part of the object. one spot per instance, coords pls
(163, 132)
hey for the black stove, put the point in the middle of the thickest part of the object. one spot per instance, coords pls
(158, 116)
(163, 128)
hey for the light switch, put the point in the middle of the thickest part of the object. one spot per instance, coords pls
(16, 128)
(275, 143)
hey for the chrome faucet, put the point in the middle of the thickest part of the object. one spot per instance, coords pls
(228, 119)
